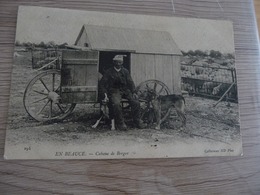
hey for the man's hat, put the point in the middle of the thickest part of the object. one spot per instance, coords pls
(119, 58)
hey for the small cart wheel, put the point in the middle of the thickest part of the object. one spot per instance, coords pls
(147, 91)
(42, 98)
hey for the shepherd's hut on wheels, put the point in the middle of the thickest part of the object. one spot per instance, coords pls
(152, 58)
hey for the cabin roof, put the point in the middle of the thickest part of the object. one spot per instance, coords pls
(104, 38)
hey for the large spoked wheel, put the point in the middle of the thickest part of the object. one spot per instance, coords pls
(147, 92)
(42, 98)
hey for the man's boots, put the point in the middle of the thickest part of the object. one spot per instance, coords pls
(140, 124)
(122, 126)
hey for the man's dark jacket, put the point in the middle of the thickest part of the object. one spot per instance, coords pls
(116, 80)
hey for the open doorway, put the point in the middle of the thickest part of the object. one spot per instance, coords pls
(106, 60)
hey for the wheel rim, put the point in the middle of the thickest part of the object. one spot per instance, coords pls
(42, 97)
(147, 91)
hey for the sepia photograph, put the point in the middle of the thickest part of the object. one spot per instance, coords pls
(103, 85)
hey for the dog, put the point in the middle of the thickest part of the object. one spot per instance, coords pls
(104, 114)
(168, 101)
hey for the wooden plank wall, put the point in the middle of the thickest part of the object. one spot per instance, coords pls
(165, 68)
(218, 175)
(176, 74)
(75, 74)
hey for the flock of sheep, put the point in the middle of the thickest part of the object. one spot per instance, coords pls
(209, 75)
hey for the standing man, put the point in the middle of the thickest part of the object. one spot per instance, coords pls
(116, 84)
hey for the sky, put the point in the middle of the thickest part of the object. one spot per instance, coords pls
(36, 24)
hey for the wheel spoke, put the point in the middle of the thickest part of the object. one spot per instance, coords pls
(147, 86)
(60, 108)
(43, 107)
(50, 110)
(40, 92)
(149, 90)
(154, 87)
(166, 114)
(161, 90)
(39, 100)
(44, 84)
(145, 110)
(57, 89)
(53, 81)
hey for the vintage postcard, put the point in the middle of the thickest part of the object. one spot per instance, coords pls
(100, 85)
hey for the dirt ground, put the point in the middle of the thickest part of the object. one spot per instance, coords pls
(204, 122)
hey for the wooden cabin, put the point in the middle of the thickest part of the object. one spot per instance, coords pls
(148, 54)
